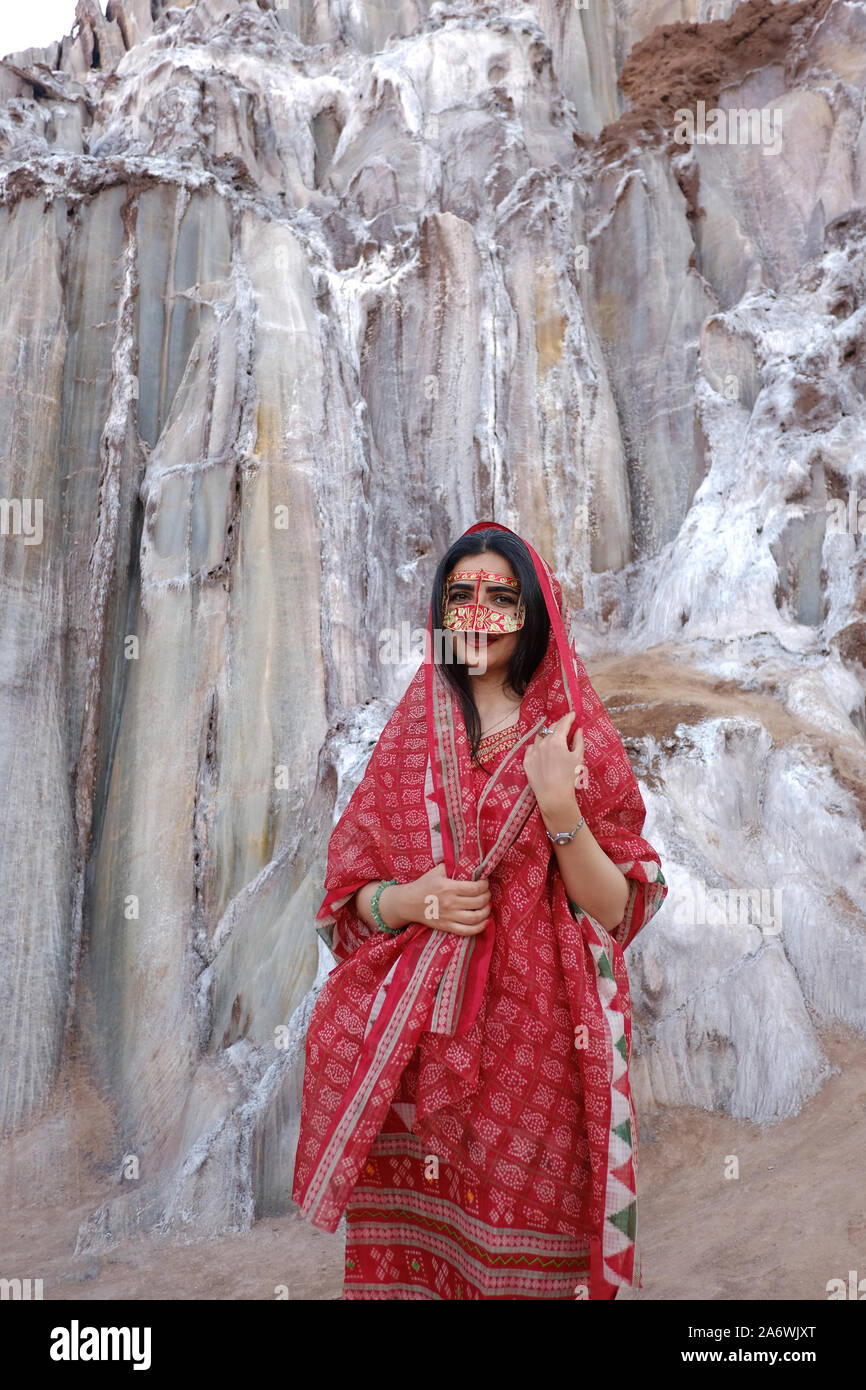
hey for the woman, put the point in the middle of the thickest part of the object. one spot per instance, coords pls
(466, 1097)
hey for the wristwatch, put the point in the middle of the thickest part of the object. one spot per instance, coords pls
(565, 837)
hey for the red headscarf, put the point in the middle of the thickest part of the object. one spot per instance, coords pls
(414, 807)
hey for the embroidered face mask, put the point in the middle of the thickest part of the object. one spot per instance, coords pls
(463, 611)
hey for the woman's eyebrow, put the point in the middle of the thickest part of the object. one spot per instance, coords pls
(461, 583)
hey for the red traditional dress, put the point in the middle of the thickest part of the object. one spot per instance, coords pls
(466, 1099)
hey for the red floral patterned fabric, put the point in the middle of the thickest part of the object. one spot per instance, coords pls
(514, 1044)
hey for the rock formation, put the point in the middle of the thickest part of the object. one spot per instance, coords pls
(291, 295)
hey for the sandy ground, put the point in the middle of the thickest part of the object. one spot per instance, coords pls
(795, 1218)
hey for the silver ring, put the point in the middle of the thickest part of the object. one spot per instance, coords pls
(544, 731)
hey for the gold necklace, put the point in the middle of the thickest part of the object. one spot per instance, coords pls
(496, 725)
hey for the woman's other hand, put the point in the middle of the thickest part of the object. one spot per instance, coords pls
(456, 905)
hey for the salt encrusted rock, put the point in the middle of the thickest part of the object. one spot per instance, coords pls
(291, 294)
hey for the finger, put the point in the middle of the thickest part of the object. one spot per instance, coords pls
(576, 744)
(471, 928)
(462, 909)
(562, 725)
(458, 928)
(473, 904)
(481, 903)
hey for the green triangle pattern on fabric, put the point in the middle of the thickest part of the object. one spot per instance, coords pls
(604, 969)
(660, 878)
(622, 1047)
(623, 1132)
(626, 1220)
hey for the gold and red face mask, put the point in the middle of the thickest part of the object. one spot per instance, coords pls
(469, 614)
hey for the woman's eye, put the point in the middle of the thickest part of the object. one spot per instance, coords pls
(460, 596)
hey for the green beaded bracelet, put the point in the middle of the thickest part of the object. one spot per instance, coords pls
(374, 907)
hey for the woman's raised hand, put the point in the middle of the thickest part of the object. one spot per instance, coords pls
(554, 770)
(456, 905)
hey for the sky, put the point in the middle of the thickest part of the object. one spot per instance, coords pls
(35, 23)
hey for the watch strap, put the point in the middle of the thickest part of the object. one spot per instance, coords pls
(565, 837)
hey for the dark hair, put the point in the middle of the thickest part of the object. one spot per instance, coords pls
(532, 638)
